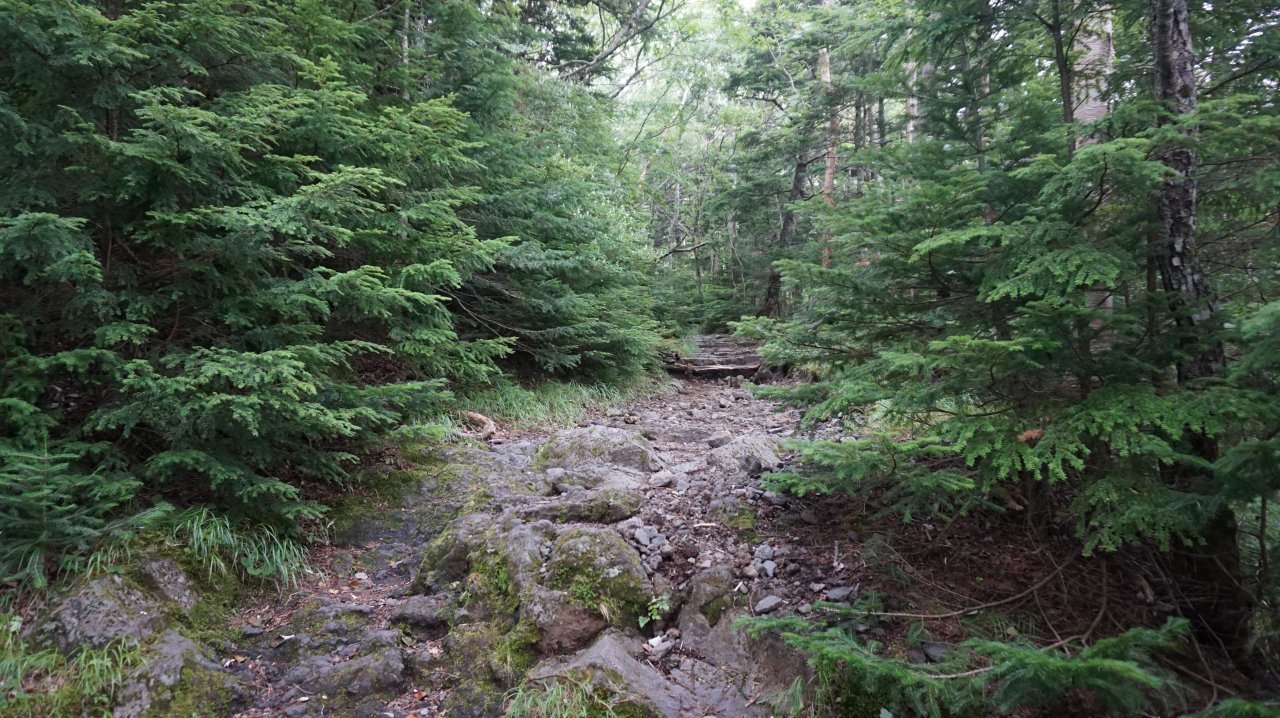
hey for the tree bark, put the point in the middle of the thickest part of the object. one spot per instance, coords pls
(1065, 80)
(787, 233)
(772, 304)
(1210, 573)
(881, 138)
(1189, 288)
(833, 129)
(1097, 51)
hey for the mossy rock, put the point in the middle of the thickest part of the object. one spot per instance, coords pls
(414, 503)
(447, 558)
(599, 506)
(478, 660)
(176, 678)
(732, 512)
(488, 591)
(711, 593)
(200, 692)
(575, 448)
(599, 570)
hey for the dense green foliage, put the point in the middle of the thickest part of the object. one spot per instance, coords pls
(242, 242)
(1120, 671)
(245, 243)
(963, 220)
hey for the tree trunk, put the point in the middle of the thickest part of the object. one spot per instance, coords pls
(833, 128)
(1065, 80)
(1209, 574)
(912, 109)
(881, 137)
(1097, 60)
(787, 233)
(772, 304)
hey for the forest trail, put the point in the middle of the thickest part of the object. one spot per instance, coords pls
(718, 357)
(665, 494)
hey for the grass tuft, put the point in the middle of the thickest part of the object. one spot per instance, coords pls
(552, 404)
(42, 682)
(566, 697)
(222, 548)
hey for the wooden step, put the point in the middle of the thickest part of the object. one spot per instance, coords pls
(717, 356)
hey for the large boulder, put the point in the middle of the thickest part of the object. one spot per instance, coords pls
(694, 688)
(563, 625)
(600, 570)
(333, 683)
(176, 675)
(707, 629)
(426, 613)
(448, 557)
(748, 454)
(167, 579)
(609, 666)
(711, 592)
(576, 448)
(102, 611)
(595, 506)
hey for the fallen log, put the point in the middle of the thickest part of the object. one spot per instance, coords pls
(486, 425)
(713, 369)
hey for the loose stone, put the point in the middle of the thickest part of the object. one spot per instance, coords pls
(768, 604)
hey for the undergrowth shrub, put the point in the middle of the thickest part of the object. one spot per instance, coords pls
(859, 677)
(1240, 708)
(56, 520)
(567, 698)
(239, 249)
(554, 403)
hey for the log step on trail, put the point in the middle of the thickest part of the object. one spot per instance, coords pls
(718, 356)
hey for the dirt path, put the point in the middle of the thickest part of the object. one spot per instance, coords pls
(439, 600)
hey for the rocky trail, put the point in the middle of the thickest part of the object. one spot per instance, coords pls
(615, 555)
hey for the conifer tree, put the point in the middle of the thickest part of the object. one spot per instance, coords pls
(242, 242)
(955, 321)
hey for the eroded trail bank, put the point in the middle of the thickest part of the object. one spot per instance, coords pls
(605, 563)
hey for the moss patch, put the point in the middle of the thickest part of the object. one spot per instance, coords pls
(714, 609)
(473, 651)
(493, 653)
(514, 654)
(489, 586)
(198, 693)
(602, 573)
(220, 597)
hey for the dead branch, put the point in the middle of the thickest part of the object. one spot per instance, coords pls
(973, 609)
(486, 425)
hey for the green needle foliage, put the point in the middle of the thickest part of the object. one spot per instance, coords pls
(1024, 267)
(243, 242)
(1121, 672)
(52, 516)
